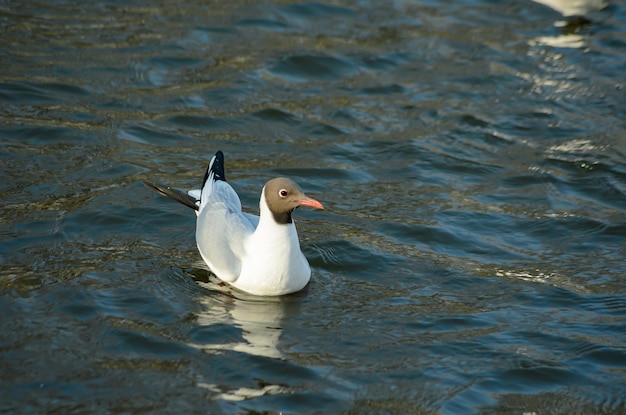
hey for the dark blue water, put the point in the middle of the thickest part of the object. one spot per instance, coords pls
(471, 155)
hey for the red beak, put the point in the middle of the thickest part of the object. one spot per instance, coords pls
(310, 202)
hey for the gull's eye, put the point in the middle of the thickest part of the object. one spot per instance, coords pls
(283, 193)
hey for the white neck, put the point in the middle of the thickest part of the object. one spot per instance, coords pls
(269, 228)
(275, 264)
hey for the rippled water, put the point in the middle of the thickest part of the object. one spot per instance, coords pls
(471, 155)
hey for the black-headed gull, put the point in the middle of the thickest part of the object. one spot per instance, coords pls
(257, 254)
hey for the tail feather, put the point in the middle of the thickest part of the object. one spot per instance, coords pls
(175, 194)
(215, 172)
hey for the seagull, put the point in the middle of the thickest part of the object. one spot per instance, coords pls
(257, 254)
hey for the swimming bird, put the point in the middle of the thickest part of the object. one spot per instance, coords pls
(257, 254)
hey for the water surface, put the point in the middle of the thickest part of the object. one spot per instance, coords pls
(471, 156)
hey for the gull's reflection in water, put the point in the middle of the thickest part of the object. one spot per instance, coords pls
(571, 30)
(577, 14)
(569, 8)
(260, 319)
(237, 322)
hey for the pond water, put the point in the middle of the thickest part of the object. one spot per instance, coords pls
(471, 156)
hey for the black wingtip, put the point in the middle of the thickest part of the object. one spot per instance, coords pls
(217, 168)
